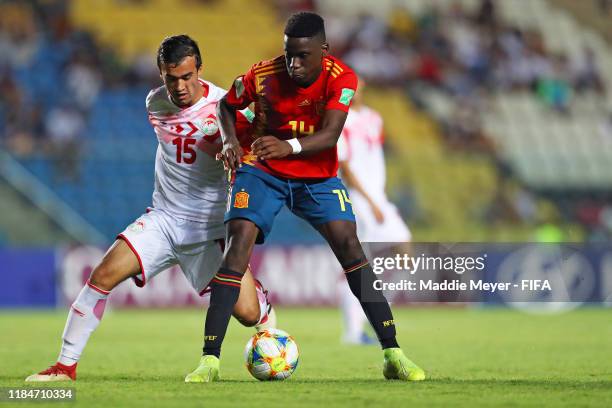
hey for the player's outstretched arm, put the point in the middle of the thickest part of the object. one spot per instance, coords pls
(232, 152)
(270, 147)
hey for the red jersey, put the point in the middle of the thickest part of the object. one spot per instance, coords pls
(285, 110)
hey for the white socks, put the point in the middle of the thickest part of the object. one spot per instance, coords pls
(352, 313)
(84, 316)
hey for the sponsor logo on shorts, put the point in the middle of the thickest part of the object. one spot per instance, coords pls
(137, 226)
(241, 200)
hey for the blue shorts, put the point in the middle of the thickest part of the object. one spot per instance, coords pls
(258, 196)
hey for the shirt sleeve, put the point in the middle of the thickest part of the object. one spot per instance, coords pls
(342, 90)
(242, 92)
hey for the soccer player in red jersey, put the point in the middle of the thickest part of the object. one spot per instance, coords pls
(301, 103)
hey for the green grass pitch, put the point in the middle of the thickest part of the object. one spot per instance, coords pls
(474, 357)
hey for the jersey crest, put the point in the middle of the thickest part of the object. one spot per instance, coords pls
(241, 200)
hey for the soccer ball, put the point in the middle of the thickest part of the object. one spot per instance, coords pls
(271, 354)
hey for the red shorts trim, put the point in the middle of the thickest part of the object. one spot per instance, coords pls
(139, 282)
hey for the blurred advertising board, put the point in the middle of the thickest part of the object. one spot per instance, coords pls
(498, 274)
(27, 278)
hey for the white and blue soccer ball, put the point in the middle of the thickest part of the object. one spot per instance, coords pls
(271, 354)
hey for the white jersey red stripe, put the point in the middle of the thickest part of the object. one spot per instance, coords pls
(189, 182)
(361, 146)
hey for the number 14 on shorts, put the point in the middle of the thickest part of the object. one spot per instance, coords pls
(343, 198)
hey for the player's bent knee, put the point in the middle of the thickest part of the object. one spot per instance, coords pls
(247, 316)
(105, 277)
(348, 248)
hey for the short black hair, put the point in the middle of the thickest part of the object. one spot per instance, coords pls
(175, 48)
(305, 24)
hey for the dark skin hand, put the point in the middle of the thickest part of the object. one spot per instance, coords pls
(270, 147)
(303, 57)
(231, 152)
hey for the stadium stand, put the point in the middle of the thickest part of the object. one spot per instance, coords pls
(503, 80)
(476, 152)
(100, 160)
(26, 226)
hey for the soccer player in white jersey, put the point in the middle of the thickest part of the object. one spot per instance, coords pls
(362, 164)
(185, 224)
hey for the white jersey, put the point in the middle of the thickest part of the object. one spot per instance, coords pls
(361, 146)
(190, 183)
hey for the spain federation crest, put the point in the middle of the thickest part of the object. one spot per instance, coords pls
(241, 200)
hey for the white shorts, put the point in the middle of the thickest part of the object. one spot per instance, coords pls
(160, 241)
(392, 229)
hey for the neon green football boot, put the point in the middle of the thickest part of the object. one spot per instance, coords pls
(397, 366)
(207, 371)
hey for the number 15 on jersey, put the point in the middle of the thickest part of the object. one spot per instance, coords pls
(184, 150)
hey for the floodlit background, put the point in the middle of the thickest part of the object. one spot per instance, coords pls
(498, 126)
(498, 129)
